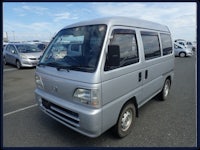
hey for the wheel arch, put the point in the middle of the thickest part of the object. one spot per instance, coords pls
(170, 79)
(117, 127)
(133, 101)
(182, 52)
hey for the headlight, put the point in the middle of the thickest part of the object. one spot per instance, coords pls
(38, 81)
(23, 56)
(88, 96)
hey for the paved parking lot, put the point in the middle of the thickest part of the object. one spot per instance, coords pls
(164, 124)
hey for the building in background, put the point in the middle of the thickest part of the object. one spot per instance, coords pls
(5, 37)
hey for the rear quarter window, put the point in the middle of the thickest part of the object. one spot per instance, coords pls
(166, 43)
(151, 45)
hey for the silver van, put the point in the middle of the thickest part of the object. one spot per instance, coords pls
(117, 66)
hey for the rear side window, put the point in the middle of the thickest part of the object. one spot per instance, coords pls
(151, 45)
(10, 48)
(166, 43)
(7, 48)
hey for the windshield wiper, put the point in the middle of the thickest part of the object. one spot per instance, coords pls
(68, 68)
(54, 64)
(63, 67)
(51, 64)
(41, 64)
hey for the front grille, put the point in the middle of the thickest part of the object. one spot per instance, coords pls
(67, 116)
(33, 58)
(34, 64)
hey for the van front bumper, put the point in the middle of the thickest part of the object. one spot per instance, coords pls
(84, 120)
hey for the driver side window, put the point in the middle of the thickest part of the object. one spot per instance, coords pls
(126, 40)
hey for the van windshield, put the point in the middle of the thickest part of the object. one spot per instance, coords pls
(75, 48)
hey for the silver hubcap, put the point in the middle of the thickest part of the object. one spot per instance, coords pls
(166, 89)
(182, 55)
(126, 120)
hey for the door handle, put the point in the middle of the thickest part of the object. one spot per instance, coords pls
(146, 74)
(140, 76)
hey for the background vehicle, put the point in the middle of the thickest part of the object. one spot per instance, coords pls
(182, 51)
(21, 55)
(194, 44)
(41, 46)
(185, 43)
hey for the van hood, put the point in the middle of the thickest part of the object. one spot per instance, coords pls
(62, 84)
(78, 76)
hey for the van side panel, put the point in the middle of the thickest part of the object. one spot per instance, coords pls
(118, 86)
(157, 69)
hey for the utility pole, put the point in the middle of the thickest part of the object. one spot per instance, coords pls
(7, 36)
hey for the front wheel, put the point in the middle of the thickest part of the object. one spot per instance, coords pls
(18, 64)
(4, 60)
(125, 121)
(182, 54)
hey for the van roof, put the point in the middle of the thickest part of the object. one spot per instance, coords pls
(124, 21)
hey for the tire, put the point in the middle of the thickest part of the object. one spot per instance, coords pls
(165, 91)
(4, 61)
(125, 121)
(182, 54)
(18, 64)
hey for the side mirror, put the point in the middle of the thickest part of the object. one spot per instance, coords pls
(13, 52)
(113, 56)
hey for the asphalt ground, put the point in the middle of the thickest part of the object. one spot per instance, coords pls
(171, 123)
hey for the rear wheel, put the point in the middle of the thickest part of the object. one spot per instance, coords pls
(165, 91)
(18, 64)
(125, 121)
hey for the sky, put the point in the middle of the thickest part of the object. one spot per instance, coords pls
(23, 21)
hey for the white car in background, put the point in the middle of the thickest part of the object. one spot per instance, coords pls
(194, 44)
(182, 51)
(186, 44)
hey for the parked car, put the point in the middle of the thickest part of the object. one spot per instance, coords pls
(21, 55)
(186, 44)
(182, 51)
(194, 45)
